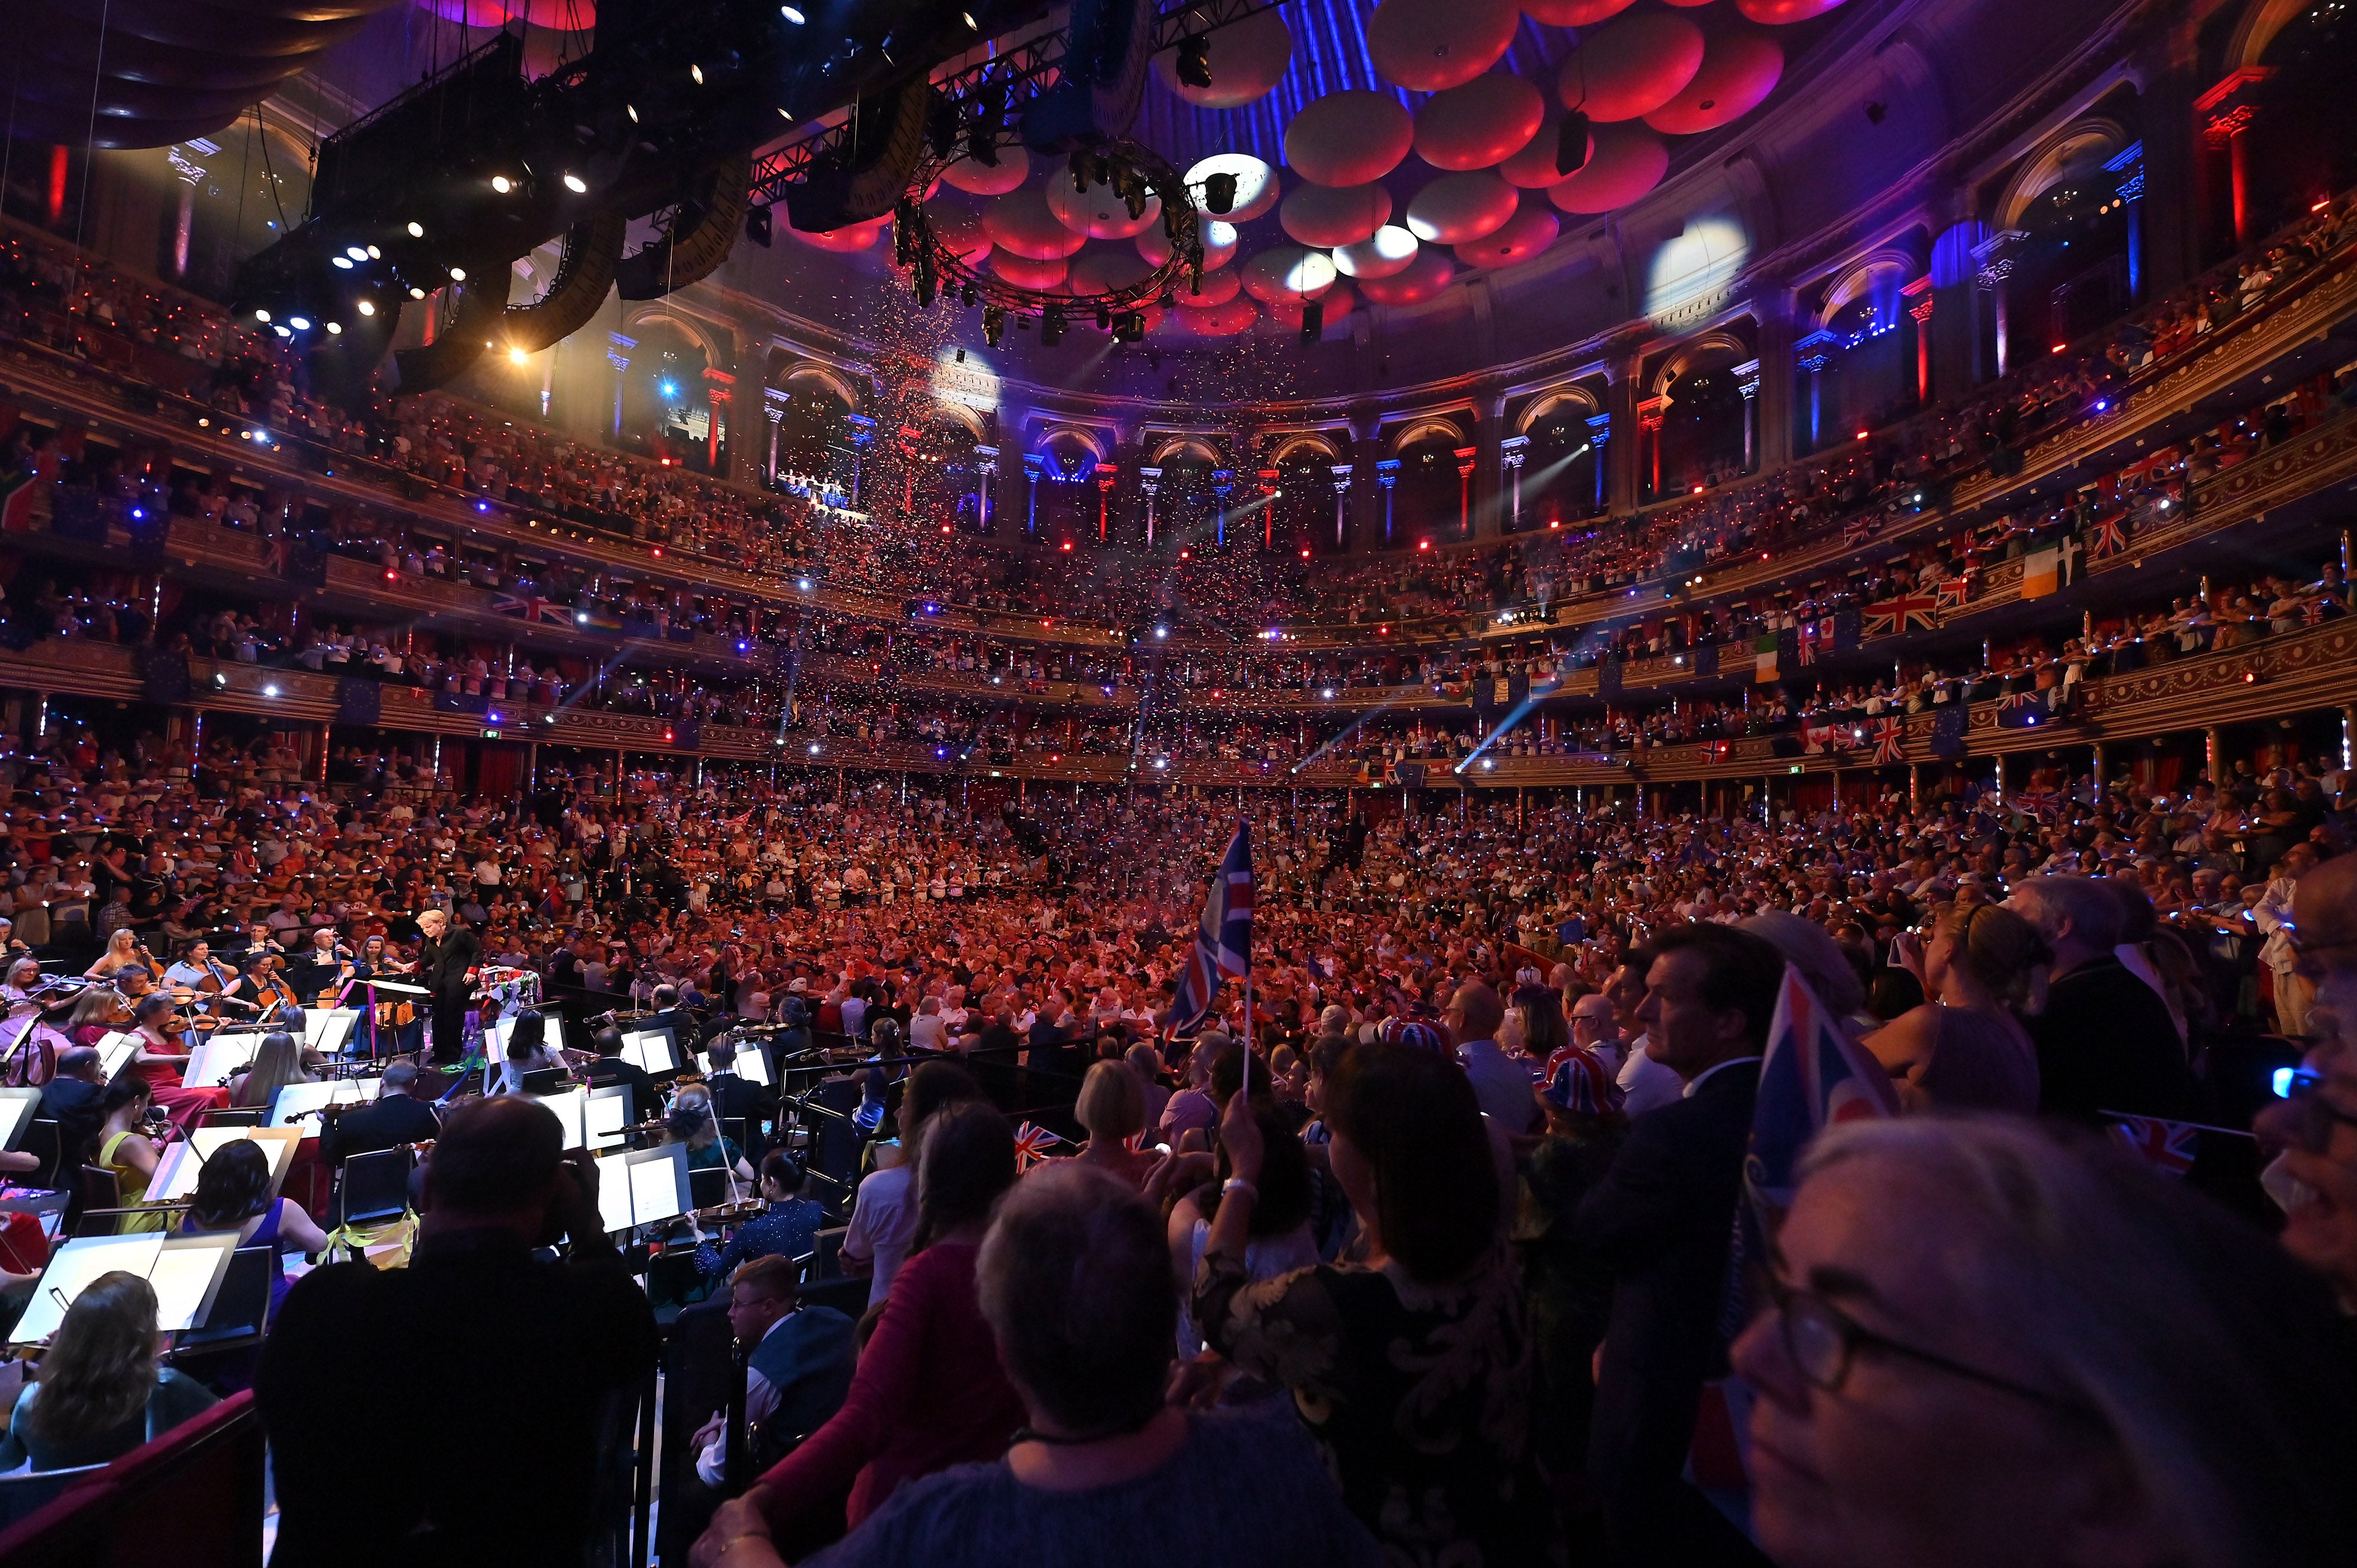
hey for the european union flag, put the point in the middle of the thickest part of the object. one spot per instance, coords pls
(1948, 731)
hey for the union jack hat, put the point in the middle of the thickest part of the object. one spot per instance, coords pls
(1583, 1086)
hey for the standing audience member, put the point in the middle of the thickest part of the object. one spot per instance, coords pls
(928, 1393)
(1661, 1220)
(884, 1211)
(1411, 1364)
(1077, 1295)
(1983, 1348)
(1966, 1049)
(559, 1385)
(2106, 1041)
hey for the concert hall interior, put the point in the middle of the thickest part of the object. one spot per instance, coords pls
(1279, 782)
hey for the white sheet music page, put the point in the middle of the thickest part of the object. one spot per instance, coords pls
(614, 1192)
(654, 1188)
(70, 1271)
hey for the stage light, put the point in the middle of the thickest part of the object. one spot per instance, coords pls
(696, 71)
(1571, 144)
(1052, 327)
(632, 111)
(270, 690)
(790, 15)
(503, 184)
(1313, 321)
(366, 307)
(415, 293)
(1160, 632)
(300, 322)
(262, 316)
(803, 584)
(335, 328)
(416, 230)
(1194, 67)
(1219, 193)
(458, 274)
(343, 263)
(518, 357)
(813, 749)
(356, 252)
(576, 185)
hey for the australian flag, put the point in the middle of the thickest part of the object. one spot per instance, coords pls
(1223, 941)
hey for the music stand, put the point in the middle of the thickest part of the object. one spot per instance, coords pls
(186, 1272)
(17, 1109)
(175, 1173)
(376, 1185)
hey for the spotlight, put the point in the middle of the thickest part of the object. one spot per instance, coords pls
(416, 292)
(1129, 327)
(760, 226)
(357, 253)
(790, 15)
(576, 185)
(262, 316)
(1195, 59)
(417, 230)
(1219, 193)
(518, 357)
(967, 297)
(696, 71)
(803, 584)
(1104, 318)
(335, 328)
(1052, 327)
(342, 264)
(300, 322)
(1313, 321)
(374, 255)
(458, 274)
(1575, 142)
(994, 323)
(503, 184)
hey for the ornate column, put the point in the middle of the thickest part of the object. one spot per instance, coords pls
(1032, 463)
(1747, 382)
(863, 437)
(719, 389)
(1342, 502)
(1649, 414)
(985, 470)
(1773, 404)
(1466, 461)
(1106, 474)
(1150, 481)
(2126, 165)
(1387, 476)
(618, 354)
(1620, 492)
(1488, 437)
(1600, 435)
(1366, 451)
(1810, 356)
(1920, 303)
(773, 412)
(1994, 256)
(1224, 484)
(1512, 453)
(2226, 111)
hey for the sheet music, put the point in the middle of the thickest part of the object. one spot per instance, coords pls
(116, 1050)
(328, 1030)
(17, 1109)
(655, 1187)
(651, 1049)
(176, 1174)
(297, 1101)
(571, 1107)
(72, 1269)
(751, 1065)
(614, 1192)
(500, 1030)
(220, 1056)
(185, 1279)
(607, 1115)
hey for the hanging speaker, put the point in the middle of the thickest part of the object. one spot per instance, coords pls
(1574, 140)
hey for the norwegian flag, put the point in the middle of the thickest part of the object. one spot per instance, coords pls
(1954, 593)
(1902, 612)
(1223, 940)
(2107, 536)
(2169, 1146)
(1031, 1145)
(1889, 741)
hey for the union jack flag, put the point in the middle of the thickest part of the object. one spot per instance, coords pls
(1954, 593)
(1902, 612)
(1858, 529)
(532, 609)
(1889, 741)
(1222, 941)
(2169, 1146)
(2107, 536)
(1807, 642)
(1031, 1145)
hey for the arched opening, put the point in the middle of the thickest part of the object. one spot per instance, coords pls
(666, 413)
(1304, 511)
(2302, 139)
(2069, 270)
(1185, 510)
(1067, 491)
(1704, 434)
(1433, 499)
(942, 481)
(814, 438)
(1864, 355)
(1563, 468)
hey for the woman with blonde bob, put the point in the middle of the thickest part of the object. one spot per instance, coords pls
(1965, 1049)
(1984, 1346)
(101, 1390)
(1111, 1107)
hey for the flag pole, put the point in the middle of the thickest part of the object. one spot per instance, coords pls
(1244, 1087)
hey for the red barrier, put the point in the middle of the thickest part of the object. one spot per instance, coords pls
(194, 1495)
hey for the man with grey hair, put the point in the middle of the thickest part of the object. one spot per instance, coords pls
(2106, 1041)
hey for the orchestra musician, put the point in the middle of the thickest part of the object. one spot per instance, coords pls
(261, 986)
(123, 950)
(162, 1055)
(446, 962)
(197, 971)
(24, 976)
(331, 966)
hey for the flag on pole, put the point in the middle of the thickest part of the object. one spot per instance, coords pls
(2167, 1146)
(1889, 741)
(1031, 1145)
(1223, 940)
(1764, 652)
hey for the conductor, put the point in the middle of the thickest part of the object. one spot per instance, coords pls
(445, 963)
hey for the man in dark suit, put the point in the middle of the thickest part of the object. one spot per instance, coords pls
(70, 1099)
(2106, 1041)
(1660, 1221)
(609, 1068)
(445, 963)
(732, 1096)
(400, 1115)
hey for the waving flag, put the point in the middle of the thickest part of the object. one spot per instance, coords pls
(2168, 1146)
(1889, 741)
(532, 609)
(1901, 612)
(1031, 1145)
(1222, 941)
(1954, 593)
(2109, 536)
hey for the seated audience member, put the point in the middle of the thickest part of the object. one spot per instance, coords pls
(401, 1113)
(233, 1193)
(788, 1229)
(1659, 1221)
(2184, 1400)
(796, 1375)
(1410, 1364)
(2310, 1138)
(102, 1388)
(1077, 1297)
(560, 1388)
(928, 1393)
(884, 1211)
(1966, 1049)
(2106, 1041)
(1501, 1082)
(1148, 1066)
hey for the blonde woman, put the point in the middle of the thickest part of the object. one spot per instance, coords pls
(1966, 1049)
(279, 1062)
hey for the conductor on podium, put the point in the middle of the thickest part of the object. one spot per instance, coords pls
(445, 964)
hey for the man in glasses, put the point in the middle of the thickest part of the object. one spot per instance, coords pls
(2311, 1138)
